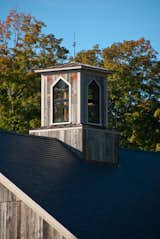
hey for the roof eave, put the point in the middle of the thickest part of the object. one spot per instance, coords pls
(57, 69)
(72, 68)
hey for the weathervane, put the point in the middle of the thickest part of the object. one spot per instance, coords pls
(74, 45)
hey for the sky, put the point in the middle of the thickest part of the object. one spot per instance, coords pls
(102, 22)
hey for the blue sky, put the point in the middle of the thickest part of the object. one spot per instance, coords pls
(100, 22)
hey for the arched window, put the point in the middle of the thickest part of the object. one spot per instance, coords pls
(93, 103)
(60, 104)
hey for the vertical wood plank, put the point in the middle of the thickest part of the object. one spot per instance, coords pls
(18, 221)
(6, 195)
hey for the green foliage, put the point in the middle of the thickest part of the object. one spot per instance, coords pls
(134, 85)
(23, 47)
(90, 57)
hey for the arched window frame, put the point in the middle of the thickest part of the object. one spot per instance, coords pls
(51, 101)
(100, 103)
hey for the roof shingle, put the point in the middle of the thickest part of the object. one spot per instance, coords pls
(91, 200)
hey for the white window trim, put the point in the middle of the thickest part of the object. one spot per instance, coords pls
(51, 101)
(100, 103)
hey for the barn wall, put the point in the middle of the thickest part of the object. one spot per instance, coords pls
(17, 220)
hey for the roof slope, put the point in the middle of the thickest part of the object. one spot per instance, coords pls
(91, 200)
(72, 66)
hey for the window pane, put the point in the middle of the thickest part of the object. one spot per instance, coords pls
(60, 102)
(61, 90)
(61, 112)
(93, 103)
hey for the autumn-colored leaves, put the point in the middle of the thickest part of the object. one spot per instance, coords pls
(134, 90)
(134, 85)
(23, 47)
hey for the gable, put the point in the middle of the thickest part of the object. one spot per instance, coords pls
(21, 217)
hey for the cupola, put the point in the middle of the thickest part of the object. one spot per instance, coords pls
(74, 109)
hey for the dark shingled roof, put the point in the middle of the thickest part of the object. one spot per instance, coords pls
(93, 201)
(73, 65)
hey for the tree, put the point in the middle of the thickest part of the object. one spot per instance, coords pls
(90, 57)
(24, 47)
(134, 87)
(134, 92)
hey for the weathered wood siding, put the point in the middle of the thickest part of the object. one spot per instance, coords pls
(18, 221)
(79, 81)
(96, 144)
(71, 136)
(100, 78)
(46, 82)
(100, 145)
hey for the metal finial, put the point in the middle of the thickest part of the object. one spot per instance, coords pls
(74, 45)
